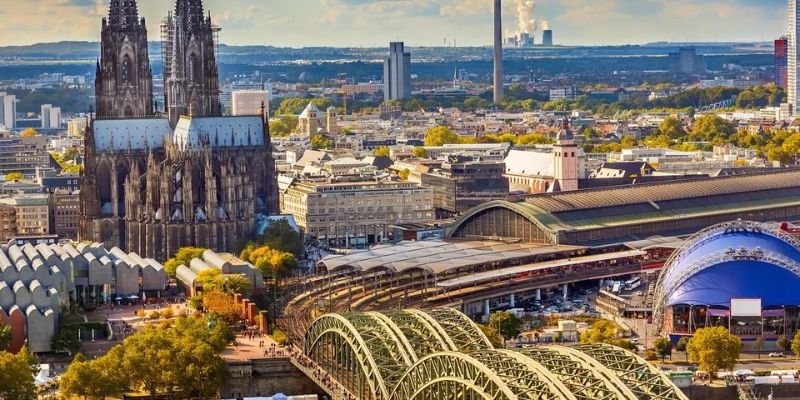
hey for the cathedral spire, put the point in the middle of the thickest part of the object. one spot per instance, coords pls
(123, 14)
(190, 14)
(124, 80)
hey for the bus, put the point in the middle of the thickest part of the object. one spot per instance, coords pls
(633, 283)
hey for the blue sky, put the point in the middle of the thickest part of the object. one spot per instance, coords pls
(296, 23)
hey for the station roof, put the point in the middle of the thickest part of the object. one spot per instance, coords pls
(507, 272)
(620, 206)
(438, 256)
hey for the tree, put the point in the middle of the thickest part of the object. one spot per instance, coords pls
(184, 256)
(14, 176)
(404, 174)
(222, 304)
(795, 345)
(492, 335)
(29, 132)
(66, 340)
(663, 347)
(279, 235)
(16, 375)
(210, 279)
(271, 262)
(441, 135)
(605, 331)
(236, 284)
(709, 127)
(681, 346)
(78, 378)
(383, 151)
(420, 152)
(759, 344)
(672, 127)
(506, 323)
(783, 342)
(714, 349)
(5, 336)
(319, 142)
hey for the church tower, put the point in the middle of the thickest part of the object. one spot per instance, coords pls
(566, 163)
(124, 81)
(191, 77)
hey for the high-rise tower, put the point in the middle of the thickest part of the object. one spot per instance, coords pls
(498, 51)
(397, 73)
(191, 77)
(794, 52)
(124, 81)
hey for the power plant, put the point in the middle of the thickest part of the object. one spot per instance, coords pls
(498, 51)
(547, 37)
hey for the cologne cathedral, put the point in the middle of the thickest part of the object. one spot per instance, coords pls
(158, 181)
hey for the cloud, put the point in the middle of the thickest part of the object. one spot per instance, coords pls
(423, 22)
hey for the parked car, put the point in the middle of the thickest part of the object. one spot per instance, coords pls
(776, 354)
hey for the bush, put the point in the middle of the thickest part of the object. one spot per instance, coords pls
(279, 337)
(154, 315)
(167, 313)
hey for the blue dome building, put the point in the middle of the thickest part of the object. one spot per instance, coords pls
(742, 275)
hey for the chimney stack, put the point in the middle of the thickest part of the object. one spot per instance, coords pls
(498, 51)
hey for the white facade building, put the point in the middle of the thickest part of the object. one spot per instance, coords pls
(8, 110)
(51, 117)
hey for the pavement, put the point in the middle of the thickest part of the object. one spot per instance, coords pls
(248, 348)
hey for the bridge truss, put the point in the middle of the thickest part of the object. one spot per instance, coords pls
(441, 354)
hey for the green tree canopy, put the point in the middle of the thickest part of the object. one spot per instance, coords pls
(420, 152)
(672, 128)
(280, 235)
(14, 176)
(184, 256)
(506, 323)
(319, 142)
(5, 336)
(383, 151)
(16, 375)
(441, 135)
(710, 127)
(273, 263)
(714, 349)
(663, 347)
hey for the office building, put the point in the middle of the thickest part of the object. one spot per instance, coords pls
(498, 51)
(397, 73)
(76, 127)
(8, 223)
(793, 85)
(356, 211)
(547, 37)
(687, 61)
(51, 117)
(32, 213)
(8, 110)
(249, 102)
(24, 155)
(462, 183)
(568, 93)
(781, 62)
(65, 212)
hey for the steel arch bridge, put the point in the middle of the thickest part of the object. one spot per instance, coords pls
(441, 354)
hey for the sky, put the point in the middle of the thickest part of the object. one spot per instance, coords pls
(373, 23)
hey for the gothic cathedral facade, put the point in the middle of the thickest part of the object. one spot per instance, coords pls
(154, 183)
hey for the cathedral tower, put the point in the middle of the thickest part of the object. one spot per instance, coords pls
(191, 77)
(124, 81)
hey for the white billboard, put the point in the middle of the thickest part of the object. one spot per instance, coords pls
(745, 307)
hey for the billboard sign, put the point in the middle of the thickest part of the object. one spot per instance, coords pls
(745, 307)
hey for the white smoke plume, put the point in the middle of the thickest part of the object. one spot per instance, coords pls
(526, 23)
(545, 25)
